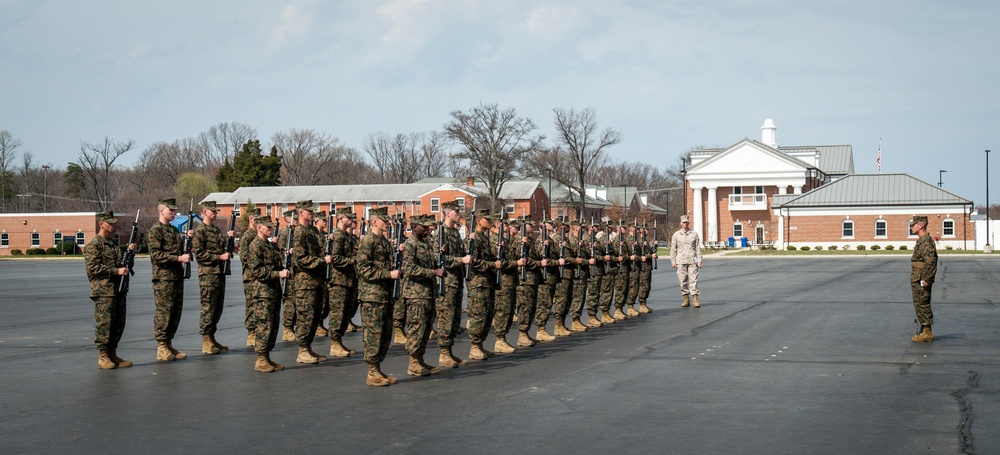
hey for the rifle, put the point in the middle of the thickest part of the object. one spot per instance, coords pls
(471, 229)
(607, 247)
(635, 244)
(329, 242)
(289, 242)
(128, 259)
(441, 258)
(524, 251)
(593, 241)
(562, 248)
(657, 247)
(500, 233)
(364, 227)
(545, 247)
(227, 268)
(187, 241)
(397, 258)
(645, 244)
(621, 246)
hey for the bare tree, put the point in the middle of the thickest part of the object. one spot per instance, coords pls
(495, 142)
(433, 154)
(223, 140)
(311, 158)
(97, 163)
(8, 153)
(578, 131)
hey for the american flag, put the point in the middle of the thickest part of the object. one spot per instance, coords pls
(878, 158)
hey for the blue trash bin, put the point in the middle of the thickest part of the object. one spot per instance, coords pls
(743, 242)
(732, 242)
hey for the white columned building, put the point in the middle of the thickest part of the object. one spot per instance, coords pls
(696, 222)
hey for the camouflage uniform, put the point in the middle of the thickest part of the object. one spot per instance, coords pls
(506, 296)
(685, 252)
(263, 262)
(165, 245)
(310, 274)
(624, 277)
(449, 306)
(343, 285)
(610, 273)
(546, 287)
(564, 289)
(245, 240)
(419, 289)
(209, 244)
(482, 287)
(646, 273)
(288, 300)
(580, 275)
(923, 266)
(634, 271)
(103, 258)
(374, 264)
(596, 277)
(529, 291)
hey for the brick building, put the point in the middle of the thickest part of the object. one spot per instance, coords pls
(21, 231)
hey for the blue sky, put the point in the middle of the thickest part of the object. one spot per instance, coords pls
(671, 75)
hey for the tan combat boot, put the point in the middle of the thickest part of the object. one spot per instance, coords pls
(542, 335)
(454, 357)
(687, 301)
(180, 355)
(577, 326)
(925, 335)
(318, 357)
(207, 347)
(593, 321)
(619, 316)
(286, 335)
(420, 360)
(262, 365)
(643, 308)
(607, 319)
(104, 362)
(398, 336)
(321, 331)
(694, 301)
(502, 347)
(561, 330)
(222, 348)
(445, 360)
(119, 362)
(391, 379)
(476, 352)
(524, 340)
(337, 348)
(375, 378)
(162, 353)
(416, 369)
(277, 366)
(251, 339)
(305, 357)
(631, 311)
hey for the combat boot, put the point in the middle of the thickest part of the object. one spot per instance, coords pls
(398, 336)
(607, 319)
(445, 360)
(420, 360)
(542, 335)
(207, 347)
(119, 362)
(180, 355)
(391, 379)
(251, 339)
(162, 353)
(560, 329)
(321, 331)
(277, 366)
(375, 378)
(454, 357)
(476, 352)
(416, 369)
(687, 301)
(286, 335)
(524, 340)
(694, 301)
(318, 357)
(643, 308)
(305, 357)
(619, 316)
(221, 347)
(262, 365)
(631, 310)
(925, 335)
(503, 347)
(577, 326)
(337, 348)
(593, 322)
(104, 362)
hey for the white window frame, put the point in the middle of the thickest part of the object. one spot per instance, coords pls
(737, 190)
(435, 205)
(81, 238)
(461, 204)
(36, 240)
(843, 229)
(737, 226)
(885, 229)
(57, 237)
(944, 228)
(909, 229)
(510, 208)
(4, 240)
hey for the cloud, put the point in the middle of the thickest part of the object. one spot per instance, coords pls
(295, 24)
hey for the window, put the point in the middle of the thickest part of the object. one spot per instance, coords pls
(81, 238)
(36, 239)
(510, 207)
(758, 189)
(267, 210)
(561, 214)
(56, 238)
(435, 205)
(4, 240)
(737, 230)
(881, 228)
(737, 190)
(948, 227)
(848, 229)
(236, 210)
(284, 208)
(461, 203)
(909, 229)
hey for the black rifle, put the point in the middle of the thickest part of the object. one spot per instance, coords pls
(329, 242)
(471, 228)
(635, 244)
(187, 241)
(128, 259)
(500, 232)
(562, 248)
(289, 242)
(545, 247)
(441, 259)
(621, 246)
(656, 248)
(607, 247)
(397, 256)
(644, 245)
(364, 227)
(524, 250)
(227, 268)
(593, 242)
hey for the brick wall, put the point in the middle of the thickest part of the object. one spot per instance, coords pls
(19, 227)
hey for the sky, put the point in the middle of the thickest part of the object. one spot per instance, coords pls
(671, 75)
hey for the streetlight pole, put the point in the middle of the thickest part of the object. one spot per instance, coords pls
(550, 191)
(45, 187)
(987, 248)
(940, 182)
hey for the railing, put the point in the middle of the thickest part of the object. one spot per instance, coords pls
(747, 202)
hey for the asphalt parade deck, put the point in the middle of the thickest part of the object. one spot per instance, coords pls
(786, 356)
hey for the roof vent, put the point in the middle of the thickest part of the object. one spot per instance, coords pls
(768, 133)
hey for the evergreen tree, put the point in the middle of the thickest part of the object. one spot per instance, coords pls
(250, 168)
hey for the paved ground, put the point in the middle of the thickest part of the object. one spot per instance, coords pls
(787, 355)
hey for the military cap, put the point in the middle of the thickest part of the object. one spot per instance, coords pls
(685, 219)
(484, 214)
(574, 222)
(380, 212)
(254, 211)
(210, 205)
(264, 221)
(106, 217)
(290, 213)
(450, 205)
(919, 219)
(169, 203)
(306, 204)
(321, 215)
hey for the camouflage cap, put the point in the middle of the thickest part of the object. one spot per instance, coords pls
(381, 213)
(484, 214)
(685, 219)
(450, 205)
(321, 215)
(290, 213)
(306, 204)
(106, 217)
(210, 205)
(264, 221)
(918, 219)
(169, 203)
(253, 211)
(574, 222)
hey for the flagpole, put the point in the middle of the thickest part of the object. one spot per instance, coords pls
(878, 159)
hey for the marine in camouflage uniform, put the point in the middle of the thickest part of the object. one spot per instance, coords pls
(610, 274)
(564, 289)
(375, 277)
(449, 306)
(634, 271)
(166, 252)
(506, 296)
(288, 300)
(623, 247)
(323, 228)
(530, 298)
(596, 279)
(581, 274)
(245, 239)
(547, 285)
(342, 288)
(419, 287)
(309, 267)
(646, 274)
(923, 268)
(482, 286)
(685, 256)
(210, 252)
(264, 264)
(399, 303)
(105, 271)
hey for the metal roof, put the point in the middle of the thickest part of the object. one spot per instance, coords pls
(872, 190)
(518, 190)
(833, 159)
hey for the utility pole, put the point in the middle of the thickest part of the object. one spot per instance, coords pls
(987, 248)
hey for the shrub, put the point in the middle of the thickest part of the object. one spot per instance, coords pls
(67, 247)
(791, 248)
(16, 252)
(876, 247)
(51, 251)
(861, 247)
(889, 247)
(35, 251)
(903, 247)
(949, 247)
(818, 248)
(805, 248)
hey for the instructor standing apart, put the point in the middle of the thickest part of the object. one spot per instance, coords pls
(685, 256)
(923, 267)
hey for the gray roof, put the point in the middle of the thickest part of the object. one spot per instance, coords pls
(325, 193)
(833, 159)
(881, 190)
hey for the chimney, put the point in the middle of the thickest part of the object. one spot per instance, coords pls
(769, 133)
(470, 181)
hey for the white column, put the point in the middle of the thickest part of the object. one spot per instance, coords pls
(696, 213)
(783, 189)
(781, 231)
(713, 216)
(797, 190)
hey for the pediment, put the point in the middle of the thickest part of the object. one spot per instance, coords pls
(747, 157)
